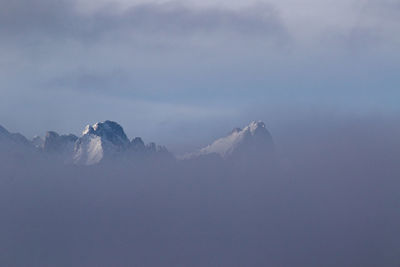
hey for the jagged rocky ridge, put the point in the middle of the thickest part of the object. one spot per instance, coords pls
(107, 140)
(17, 138)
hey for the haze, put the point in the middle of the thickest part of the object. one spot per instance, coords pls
(314, 184)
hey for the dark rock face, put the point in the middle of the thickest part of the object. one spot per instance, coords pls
(15, 148)
(19, 138)
(3, 131)
(137, 144)
(13, 138)
(151, 147)
(54, 142)
(111, 131)
(256, 143)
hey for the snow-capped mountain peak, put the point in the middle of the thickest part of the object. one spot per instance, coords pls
(107, 140)
(108, 130)
(253, 137)
(88, 130)
(255, 125)
(102, 139)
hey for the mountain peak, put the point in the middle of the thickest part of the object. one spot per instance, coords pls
(253, 137)
(99, 140)
(109, 130)
(15, 138)
(255, 125)
(88, 130)
(138, 144)
(53, 142)
(252, 127)
(108, 140)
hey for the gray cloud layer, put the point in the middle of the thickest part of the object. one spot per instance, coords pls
(61, 19)
(333, 202)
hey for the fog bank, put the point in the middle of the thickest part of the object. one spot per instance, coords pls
(331, 199)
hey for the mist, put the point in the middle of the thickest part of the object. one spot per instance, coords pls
(162, 66)
(313, 181)
(328, 198)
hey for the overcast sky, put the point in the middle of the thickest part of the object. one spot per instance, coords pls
(183, 71)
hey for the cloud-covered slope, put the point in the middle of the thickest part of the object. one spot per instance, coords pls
(253, 142)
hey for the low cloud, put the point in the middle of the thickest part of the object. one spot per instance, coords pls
(333, 201)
